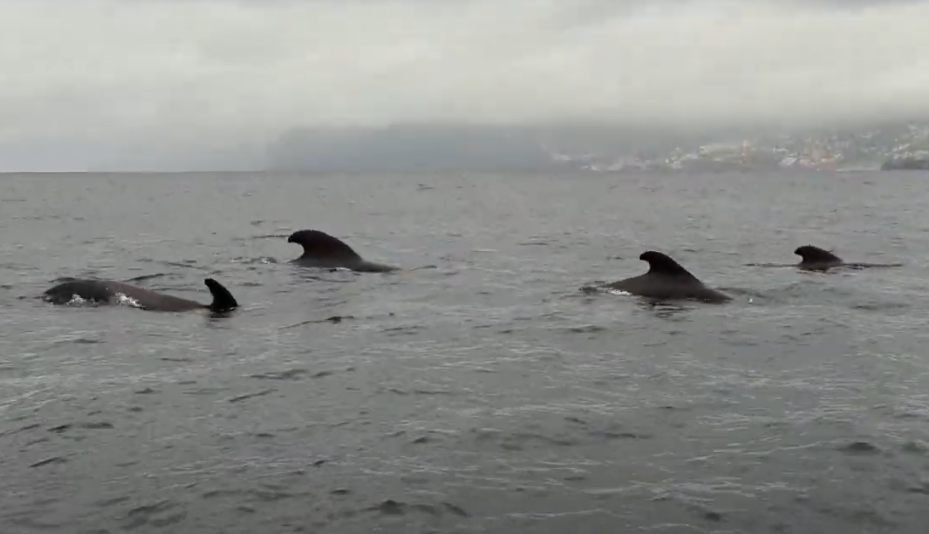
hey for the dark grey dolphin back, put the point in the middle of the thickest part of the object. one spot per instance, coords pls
(667, 280)
(90, 290)
(319, 245)
(323, 250)
(109, 291)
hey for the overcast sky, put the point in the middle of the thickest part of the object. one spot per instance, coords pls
(86, 82)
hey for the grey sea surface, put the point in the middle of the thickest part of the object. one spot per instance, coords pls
(486, 395)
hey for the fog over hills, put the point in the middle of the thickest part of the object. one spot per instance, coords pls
(232, 84)
(467, 147)
(449, 147)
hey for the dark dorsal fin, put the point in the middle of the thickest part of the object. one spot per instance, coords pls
(662, 264)
(811, 254)
(222, 298)
(322, 246)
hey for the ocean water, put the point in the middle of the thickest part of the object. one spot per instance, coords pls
(486, 395)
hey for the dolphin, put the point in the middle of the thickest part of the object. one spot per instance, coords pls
(817, 259)
(110, 292)
(322, 250)
(667, 280)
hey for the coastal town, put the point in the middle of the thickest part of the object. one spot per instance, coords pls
(411, 147)
(903, 147)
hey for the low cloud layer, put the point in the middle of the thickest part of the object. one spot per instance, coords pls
(230, 76)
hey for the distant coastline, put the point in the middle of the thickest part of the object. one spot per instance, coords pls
(479, 148)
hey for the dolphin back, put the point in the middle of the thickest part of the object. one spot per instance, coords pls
(152, 300)
(668, 288)
(90, 290)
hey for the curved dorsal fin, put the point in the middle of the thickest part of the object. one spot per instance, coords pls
(222, 298)
(662, 264)
(320, 245)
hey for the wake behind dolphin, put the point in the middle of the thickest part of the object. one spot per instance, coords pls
(110, 292)
(667, 280)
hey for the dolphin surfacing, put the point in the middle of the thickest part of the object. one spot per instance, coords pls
(817, 259)
(110, 292)
(667, 280)
(322, 250)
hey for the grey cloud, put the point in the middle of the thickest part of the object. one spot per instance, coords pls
(216, 76)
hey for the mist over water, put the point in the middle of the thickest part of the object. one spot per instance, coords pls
(97, 84)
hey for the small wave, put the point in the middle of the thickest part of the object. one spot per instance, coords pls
(124, 300)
